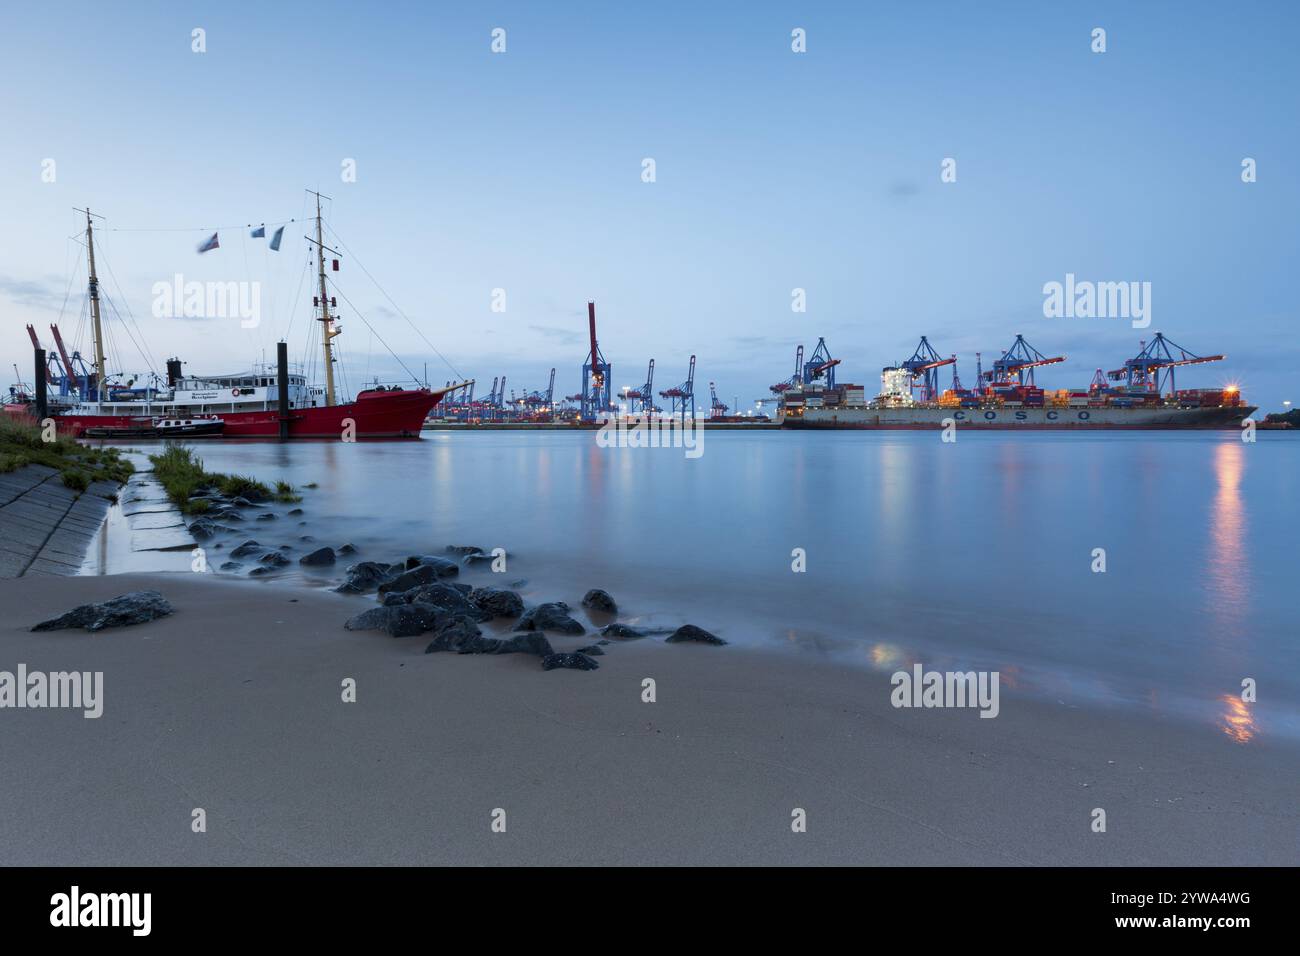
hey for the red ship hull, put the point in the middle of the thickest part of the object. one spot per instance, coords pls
(375, 414)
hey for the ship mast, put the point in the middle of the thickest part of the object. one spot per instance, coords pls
(94, 307)
(328, 332)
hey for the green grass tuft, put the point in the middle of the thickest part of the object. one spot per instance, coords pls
(21, 443)
(182, 474)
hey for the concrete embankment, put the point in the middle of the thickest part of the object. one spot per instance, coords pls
(144, 532)
(45, 527)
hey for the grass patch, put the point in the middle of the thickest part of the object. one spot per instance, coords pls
(182, 474)
(286, 493)
(21, 444)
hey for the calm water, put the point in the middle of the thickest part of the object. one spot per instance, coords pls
(974, 554)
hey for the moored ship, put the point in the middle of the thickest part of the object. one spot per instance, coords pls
(86, 402)
(1141, 395)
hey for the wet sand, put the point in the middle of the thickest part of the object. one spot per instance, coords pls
(234, 705)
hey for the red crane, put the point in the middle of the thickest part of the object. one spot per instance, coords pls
(36, 344)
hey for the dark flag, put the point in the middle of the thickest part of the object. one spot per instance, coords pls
(210, 244)
(259, 232)
(275, 240)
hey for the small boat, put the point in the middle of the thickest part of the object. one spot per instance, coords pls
(160, 428)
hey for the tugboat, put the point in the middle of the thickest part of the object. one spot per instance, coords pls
(243, 405)
(160, 428)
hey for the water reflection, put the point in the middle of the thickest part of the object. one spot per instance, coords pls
(1227, 588)
(1237, 720)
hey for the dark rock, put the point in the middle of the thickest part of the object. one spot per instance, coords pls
(446, 597)
(373, 619)
(306, 537)
(286, 547)
(232, 566)
(241, 502)
(318, 557)
(461, 635)
(227, 514)
(364, 577)
(348, 549)
(266, 516)
(621, 630)
(392, 598)
(527, 644)
(577, 662)
(204, 528)
(273, 559)
(598, 600)
(463, 549)
(476, 556)
(442, 567)
(296, 511)
(550, 617)
(246, 549)
(689, 632)
(460, 586)
(452, 631)
(414, 578)
(591, 649)
(135, 607)
(402, 620)
(498, 602)
(411, 619)
(261, 570)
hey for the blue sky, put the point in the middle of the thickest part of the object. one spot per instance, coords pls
(775, 170)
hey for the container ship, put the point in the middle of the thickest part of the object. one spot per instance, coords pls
(1142, 394)
(264, 402)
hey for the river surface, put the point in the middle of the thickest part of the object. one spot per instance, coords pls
(978, 554)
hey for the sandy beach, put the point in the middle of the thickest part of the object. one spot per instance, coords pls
(234, 705)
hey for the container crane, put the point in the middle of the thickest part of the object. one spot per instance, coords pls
(793, 381)
(682, 394)
(51, 379)
(596, 375)
(643, 398)
(716, 408)
(538, 404)
(1154, 365)
(821, 365)
(1018, 363)
(925, 364)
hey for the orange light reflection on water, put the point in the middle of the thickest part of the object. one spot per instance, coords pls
(1238, 721)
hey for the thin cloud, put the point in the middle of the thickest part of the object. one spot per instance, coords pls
(36, 293)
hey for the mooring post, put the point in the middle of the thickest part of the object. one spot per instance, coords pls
(42, 406)
(282, 380)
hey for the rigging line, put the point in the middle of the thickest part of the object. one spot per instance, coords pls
(339, 240)
(139, 345)
(282, 222)
(129, 334)
(377, 335)
(68, 294)
(297, 298)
